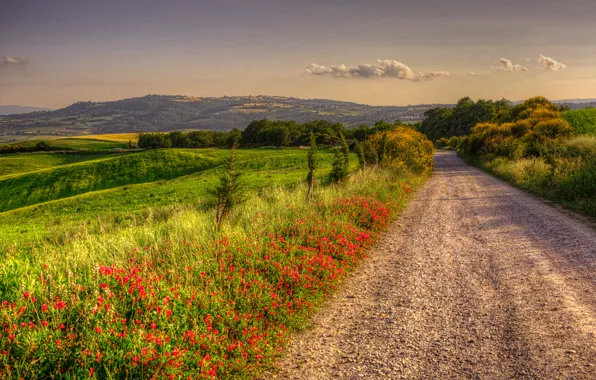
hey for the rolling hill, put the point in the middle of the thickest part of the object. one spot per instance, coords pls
(15, 109)
(166, 113)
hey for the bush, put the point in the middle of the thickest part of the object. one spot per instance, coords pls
(403, 149)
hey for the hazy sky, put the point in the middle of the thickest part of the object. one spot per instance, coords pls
(395, 52)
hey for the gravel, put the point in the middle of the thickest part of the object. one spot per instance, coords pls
(476, 280)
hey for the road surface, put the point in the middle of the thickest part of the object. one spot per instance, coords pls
(476, 280)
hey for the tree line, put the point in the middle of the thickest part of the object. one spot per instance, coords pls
(265, 133)
(444, 122)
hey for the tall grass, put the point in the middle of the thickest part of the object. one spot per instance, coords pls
(175, 298)
(567, 176)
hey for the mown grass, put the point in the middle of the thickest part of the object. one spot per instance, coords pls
(23, 163)
(58, 221)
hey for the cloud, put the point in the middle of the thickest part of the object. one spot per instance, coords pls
(8, 61)
(384, 68)
(550, 64)
(507, 65)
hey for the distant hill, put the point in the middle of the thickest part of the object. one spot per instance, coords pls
(13, 109)
(166, 113)
(175, 112)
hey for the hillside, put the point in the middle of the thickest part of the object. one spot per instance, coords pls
(167, 113)
(15, 109)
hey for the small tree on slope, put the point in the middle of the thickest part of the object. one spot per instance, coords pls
(229, 192)
(312, 164)
(360, 153)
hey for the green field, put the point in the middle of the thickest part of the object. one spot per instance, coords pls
(76, 143)
(61, 199)
(114, 266)
(23, 163)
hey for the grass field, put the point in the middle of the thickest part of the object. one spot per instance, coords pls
(23, 163)
(76, 143)
(115, 137)
(127, 204)
(135, 280)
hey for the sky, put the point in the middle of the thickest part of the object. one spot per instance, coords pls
(56, 52)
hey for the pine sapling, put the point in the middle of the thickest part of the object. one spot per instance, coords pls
(229, 192)
(312, 164)
(359, 153)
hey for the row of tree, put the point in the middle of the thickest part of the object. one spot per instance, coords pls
(265, 132)
(40, 146)
(444, 122)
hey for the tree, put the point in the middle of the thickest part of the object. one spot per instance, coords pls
(360, 153)
(312, 164)
(129, 144)
(383, 149)
(345, 150)
(229, 192)
(338, 168)
(42, 145)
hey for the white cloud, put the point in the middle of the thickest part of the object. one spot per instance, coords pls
(507, 65)
(550, 64)
(14, 61)
(384, 68)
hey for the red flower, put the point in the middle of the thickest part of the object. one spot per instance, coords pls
(26, 295)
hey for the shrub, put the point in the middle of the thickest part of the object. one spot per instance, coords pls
(403, 149)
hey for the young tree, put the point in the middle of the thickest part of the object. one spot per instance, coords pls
(338, 173)
(383, 148)
(360, 153)
(229, 192)
(312, 164)
(345, 150)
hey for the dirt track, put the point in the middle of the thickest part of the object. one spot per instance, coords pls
(476, 280)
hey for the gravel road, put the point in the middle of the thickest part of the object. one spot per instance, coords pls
(476, 280)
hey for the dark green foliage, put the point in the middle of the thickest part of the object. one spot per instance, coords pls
(345, 150)
(359, 153)
(41, 146)
(459, 120)
(312, 164)
(338, 170)
(229, 191)
(382, 149)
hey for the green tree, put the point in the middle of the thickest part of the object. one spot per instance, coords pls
(338, 169)
(312, 164)
(360, 153)
(345, 150)
(229, 193)
(383, 149)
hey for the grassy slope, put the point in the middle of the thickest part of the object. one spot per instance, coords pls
(277, 259)
(65, 181)
(127, 205)
(76, 143)
(569, 180)
(23, 163)
(116, 137)
(583, 120)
